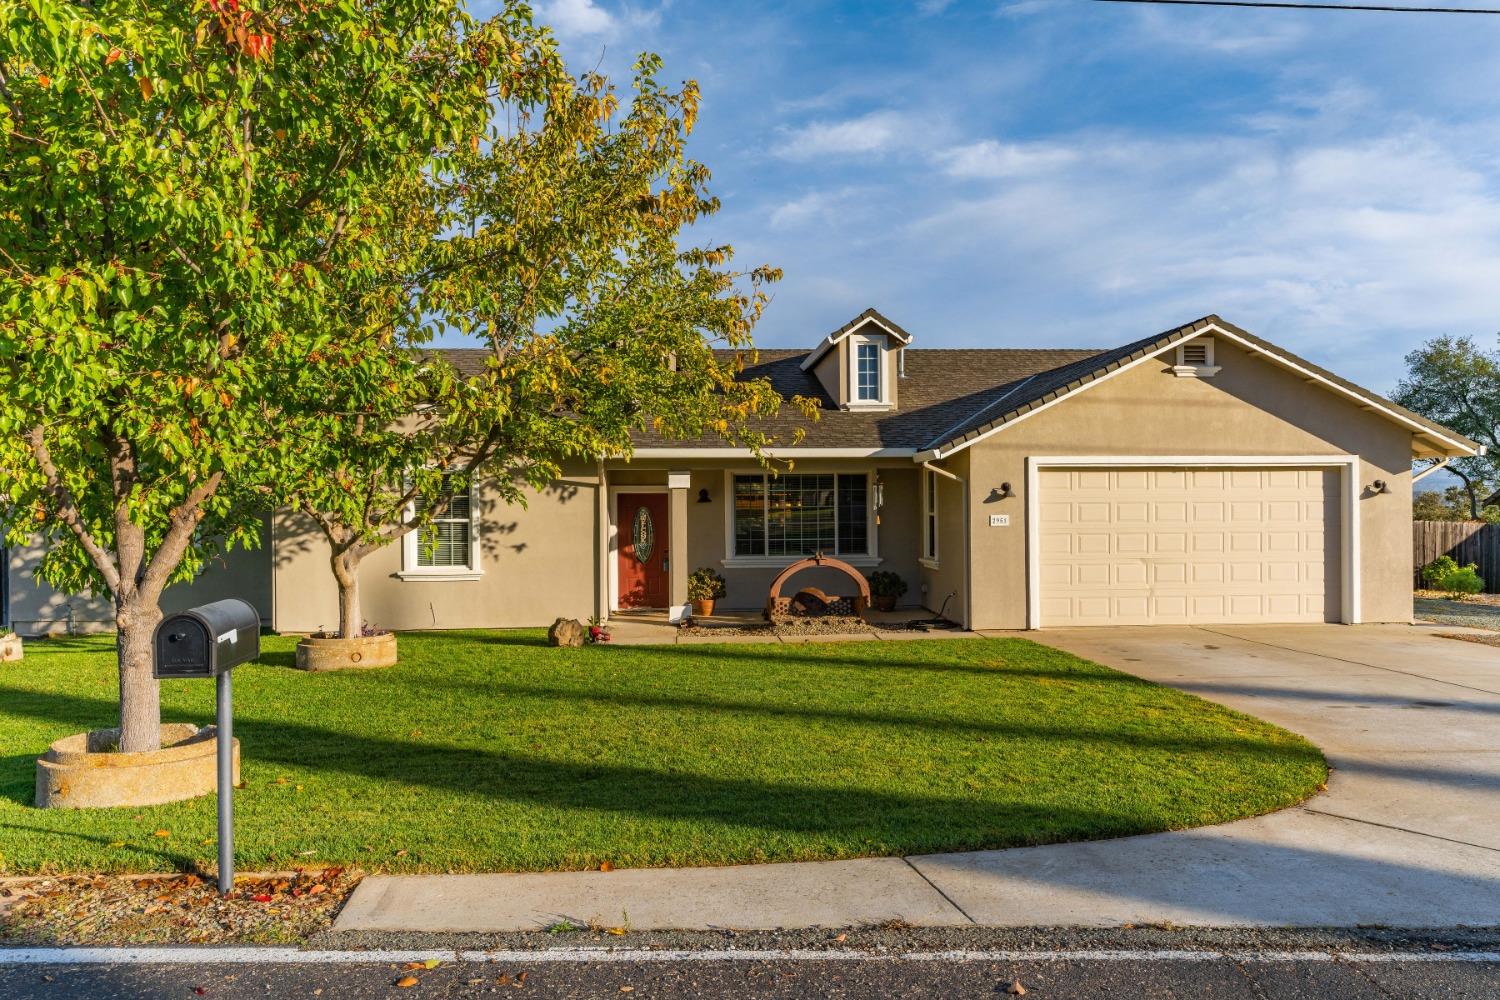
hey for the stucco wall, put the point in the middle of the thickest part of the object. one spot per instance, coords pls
(537, 561)
(36, 608)
(1251, 407)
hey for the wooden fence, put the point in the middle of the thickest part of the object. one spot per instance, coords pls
(1466, 541)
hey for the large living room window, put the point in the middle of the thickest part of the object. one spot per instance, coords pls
(448, 545)
(801, 515)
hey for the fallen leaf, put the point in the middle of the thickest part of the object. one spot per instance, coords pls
(317, 889)
(605, 866)
(842, 938)
(627, 989)
(521, 979)
(616, 931)
(401, 853)
(431, 963)
(162, 833)
(199, 991)
(406, 982)
(1015, 989)
(118, 843)
(262, 897)
(503, 979)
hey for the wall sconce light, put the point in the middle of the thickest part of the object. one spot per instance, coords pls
(1001, 492)
(1380, 486)
(703, 495)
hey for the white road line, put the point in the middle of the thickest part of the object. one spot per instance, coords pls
(294, 956)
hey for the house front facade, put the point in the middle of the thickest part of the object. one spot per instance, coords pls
(1198, 476)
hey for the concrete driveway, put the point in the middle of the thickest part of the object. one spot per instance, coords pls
(1408, 833)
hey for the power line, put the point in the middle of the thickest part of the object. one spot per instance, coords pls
(1313, 6)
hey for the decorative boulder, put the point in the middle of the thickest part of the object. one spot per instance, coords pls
(10, 647)
(566, 632)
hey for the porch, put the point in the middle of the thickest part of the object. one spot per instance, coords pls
(661, 525)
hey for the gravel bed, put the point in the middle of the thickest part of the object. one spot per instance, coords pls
(1475, 614)
(280, 908)
(824, 625)
(1484, 640)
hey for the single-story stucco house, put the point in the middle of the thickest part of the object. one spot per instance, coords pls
(1200, 475)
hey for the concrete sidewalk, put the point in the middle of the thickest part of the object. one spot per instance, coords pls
(1406, 836)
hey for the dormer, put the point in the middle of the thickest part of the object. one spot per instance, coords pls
(860, 363)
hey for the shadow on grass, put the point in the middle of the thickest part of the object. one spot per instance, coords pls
(1039, 730)
(886, 821)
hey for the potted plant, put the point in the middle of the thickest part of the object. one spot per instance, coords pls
(598, 631)
(10, 645)
(886, 587)
(704, 587)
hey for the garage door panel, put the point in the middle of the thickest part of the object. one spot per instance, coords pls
(1179, 546)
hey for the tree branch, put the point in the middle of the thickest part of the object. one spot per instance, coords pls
(67, 509)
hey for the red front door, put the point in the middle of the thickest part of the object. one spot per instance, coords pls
(641, 520)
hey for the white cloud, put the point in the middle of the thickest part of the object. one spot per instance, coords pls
(1339, 239)
(576, 17)
(996, 159)
(873, 133)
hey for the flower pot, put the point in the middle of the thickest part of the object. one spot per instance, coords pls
(885, 602)
(702, 609)
(82, 772)
(358, 653)
(10, 648)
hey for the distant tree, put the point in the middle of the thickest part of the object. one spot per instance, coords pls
(1451, 504)
(192, 198)
(1452, 381)
(554, 242)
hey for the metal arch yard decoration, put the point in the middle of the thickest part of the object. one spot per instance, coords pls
(781, 607)
(642, 534)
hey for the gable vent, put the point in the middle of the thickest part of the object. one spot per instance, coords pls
(1195, 359)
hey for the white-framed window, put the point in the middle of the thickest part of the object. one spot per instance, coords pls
(867, 371)
(801, 514)
(448, 546)
(929, 516)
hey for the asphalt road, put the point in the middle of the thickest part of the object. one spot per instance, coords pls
(1200, 979)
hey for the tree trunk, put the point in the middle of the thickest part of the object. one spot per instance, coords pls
(140, 692)
(346, 573)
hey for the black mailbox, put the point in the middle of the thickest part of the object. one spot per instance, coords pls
(208, 640)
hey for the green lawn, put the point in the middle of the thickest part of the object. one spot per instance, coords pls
(491, 751)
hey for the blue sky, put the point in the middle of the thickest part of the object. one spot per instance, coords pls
(1067, 173)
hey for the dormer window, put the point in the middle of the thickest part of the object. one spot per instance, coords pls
(865, 378)
(867, 373)
(1195, 359)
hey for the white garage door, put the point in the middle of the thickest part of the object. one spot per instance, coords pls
(1137, 546)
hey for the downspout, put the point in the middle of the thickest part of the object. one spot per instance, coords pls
(968, 555)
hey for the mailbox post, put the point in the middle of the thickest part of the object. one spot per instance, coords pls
(210, 641)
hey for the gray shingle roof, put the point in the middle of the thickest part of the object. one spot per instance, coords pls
(949, 397)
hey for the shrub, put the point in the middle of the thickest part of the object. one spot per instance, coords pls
(1462, 581)
(706, 585)
(884, 583)
(1437, 569)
